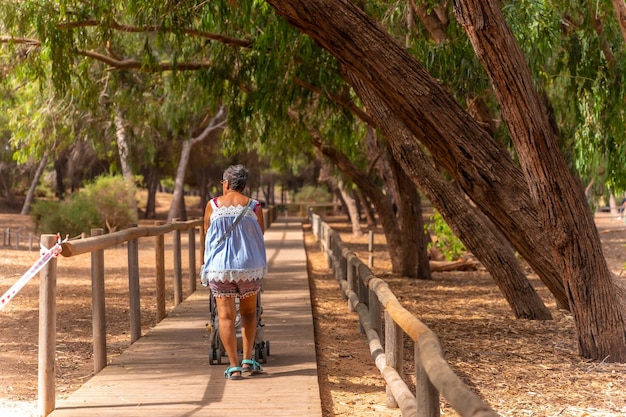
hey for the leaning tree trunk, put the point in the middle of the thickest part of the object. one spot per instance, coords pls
(370, 216)
(471, 227)
(565, 217)
(404, 196)
(177, 209)
(414, 234)
(351, 207)
(33, 185)
(482, 168)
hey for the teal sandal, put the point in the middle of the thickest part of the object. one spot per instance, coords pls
(251, 366)
(230, 371)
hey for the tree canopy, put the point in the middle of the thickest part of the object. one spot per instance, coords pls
(139, 79)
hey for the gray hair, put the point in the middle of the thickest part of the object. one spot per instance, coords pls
(237, 177)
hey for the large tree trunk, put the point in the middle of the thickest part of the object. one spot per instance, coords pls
(565, 216)
(482, 168)
(402, 193)
(414, 235)
(472, 228)
(177, 209)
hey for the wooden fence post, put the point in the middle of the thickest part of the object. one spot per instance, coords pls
(375, 313)
(47, 331)
(351, 277)
(426, 394)
(159, 261)
(363, 296)
(133, 289)
(393, 353)
(178, 274)
(192, 258)
(327, 246)
(98, 307)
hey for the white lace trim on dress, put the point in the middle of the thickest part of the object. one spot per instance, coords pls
(230, 211)
(231, 276)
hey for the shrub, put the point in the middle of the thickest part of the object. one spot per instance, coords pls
(107, 203)
(447, 242)
(313, 194)
(115, 200)
(71, 217)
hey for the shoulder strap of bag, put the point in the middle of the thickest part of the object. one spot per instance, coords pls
(232, 226)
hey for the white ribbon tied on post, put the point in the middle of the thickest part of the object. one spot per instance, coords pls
(46, 256)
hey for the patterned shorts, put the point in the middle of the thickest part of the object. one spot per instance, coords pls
(242, 289)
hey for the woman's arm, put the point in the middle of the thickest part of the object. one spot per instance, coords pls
(258, 210)
(207, 216)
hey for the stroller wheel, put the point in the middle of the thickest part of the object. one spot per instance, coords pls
(215, 356)
(267, 348)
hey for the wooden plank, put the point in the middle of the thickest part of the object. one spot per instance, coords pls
(167, 372)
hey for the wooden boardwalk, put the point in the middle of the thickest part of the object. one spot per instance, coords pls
(167, 371)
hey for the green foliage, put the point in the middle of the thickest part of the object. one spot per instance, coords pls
(106, 203)
(71, 217)
(447, 242)
(312, 194)
(114, 198)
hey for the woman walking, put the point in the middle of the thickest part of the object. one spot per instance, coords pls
(235, 263)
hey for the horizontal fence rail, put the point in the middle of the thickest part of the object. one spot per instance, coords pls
(371, 298)
(96, 245)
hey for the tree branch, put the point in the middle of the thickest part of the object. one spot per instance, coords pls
(342, 101)
(23, 41)
(132, 64)
(227, 40)
(120, 64)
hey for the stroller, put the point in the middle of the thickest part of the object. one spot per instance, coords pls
(261, 347)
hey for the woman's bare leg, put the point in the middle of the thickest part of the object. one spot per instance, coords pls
(227, 313)
(247, 310)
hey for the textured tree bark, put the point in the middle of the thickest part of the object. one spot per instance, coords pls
(414, 236)
(565, 216)
(471, 226)
(482, 168)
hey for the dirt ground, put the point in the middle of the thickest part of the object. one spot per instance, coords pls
(520, 368)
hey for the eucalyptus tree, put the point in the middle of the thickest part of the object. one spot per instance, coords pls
(484, 170)
(118, 62)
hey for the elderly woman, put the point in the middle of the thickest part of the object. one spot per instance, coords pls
(235, 265)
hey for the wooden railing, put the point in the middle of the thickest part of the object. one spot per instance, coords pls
(371, 299)
(96, 245)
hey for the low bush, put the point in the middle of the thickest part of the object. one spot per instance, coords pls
(447, 242)
(108, 203)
